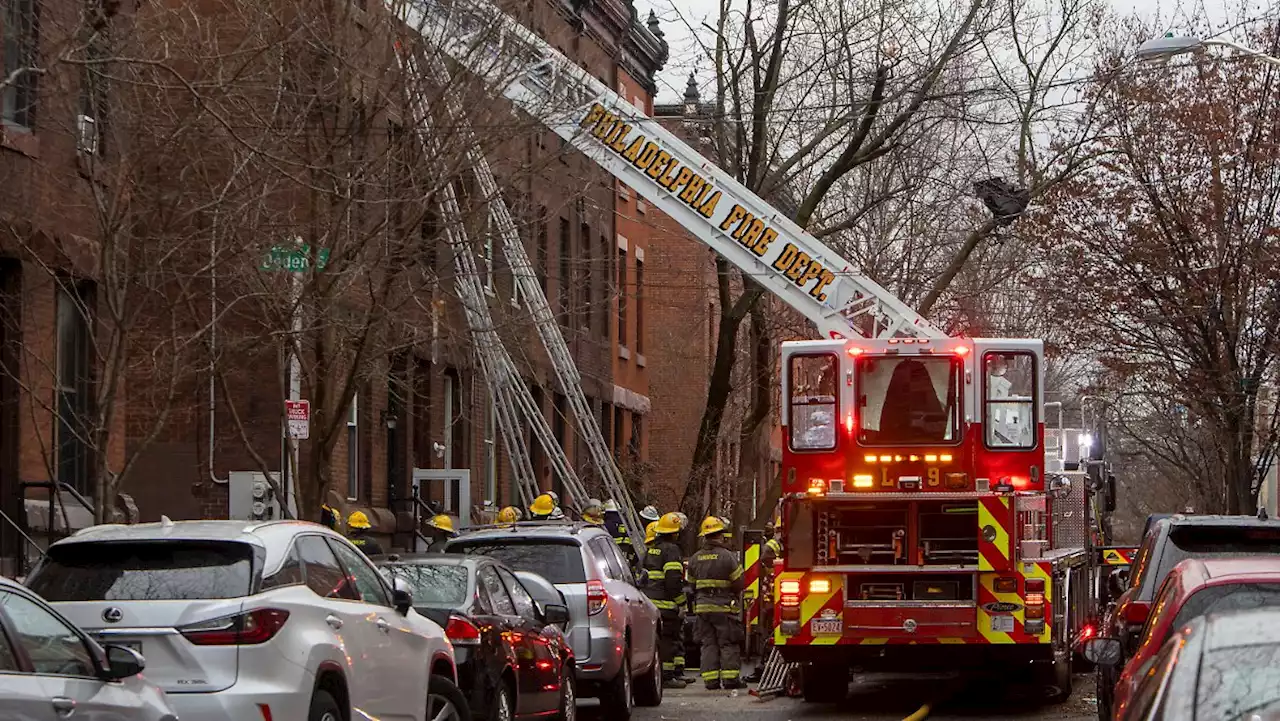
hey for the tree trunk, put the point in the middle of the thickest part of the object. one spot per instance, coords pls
(752, 440)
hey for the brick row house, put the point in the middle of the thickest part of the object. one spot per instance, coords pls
(418, 413)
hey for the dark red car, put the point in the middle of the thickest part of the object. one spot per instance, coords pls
(1194, 588)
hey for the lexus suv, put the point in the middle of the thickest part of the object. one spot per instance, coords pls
(613, 626)
(254, 621)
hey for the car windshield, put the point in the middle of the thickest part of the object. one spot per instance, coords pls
(442, 585)
(145, 571)
(1229, 597)
(926, 400)
(1203, 541)
(1240, 682)
(555, 560)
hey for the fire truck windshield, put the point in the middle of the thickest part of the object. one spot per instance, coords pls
(908, 400)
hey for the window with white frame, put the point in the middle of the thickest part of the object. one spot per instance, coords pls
(353, 449)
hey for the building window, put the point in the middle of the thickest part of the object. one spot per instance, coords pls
(542, 247)
(491, 450)
(633, 448)
(75, 386)
(617, 434)
(622, 296)
(353, 449)
(566, 271)
(639, 304)
(455, 426)
(21, 27)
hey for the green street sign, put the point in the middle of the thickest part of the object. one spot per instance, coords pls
(294, 259)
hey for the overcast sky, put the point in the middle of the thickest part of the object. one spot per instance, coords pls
(684, 55)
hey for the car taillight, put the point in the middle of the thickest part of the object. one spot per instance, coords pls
(242, 629)
(597, 597)
(462, 632)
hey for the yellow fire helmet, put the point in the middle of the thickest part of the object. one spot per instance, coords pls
(593, 512)
(442, 522)
(649, 532)
(358, 520)
(670, 523)
(509, 515)
(711, 525)
(543, 505)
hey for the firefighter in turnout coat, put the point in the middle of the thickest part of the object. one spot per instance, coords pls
(716, 577)
(664, 585)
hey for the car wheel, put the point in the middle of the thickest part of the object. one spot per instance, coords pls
(568, 695)
(616, 701)
(649, 686)
(504, 705)
(1058, 688)
(445, 701)
(324, 708)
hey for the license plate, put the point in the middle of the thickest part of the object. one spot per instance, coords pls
(1002, 623)
(826, 626)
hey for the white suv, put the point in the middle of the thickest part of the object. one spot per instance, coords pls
(284, 620)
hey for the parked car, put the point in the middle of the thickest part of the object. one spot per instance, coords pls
(276, 620)
(513, 660)
(613, 626)
(1224, 666)
(49, 669)
(1195, 588)
(1169, 541)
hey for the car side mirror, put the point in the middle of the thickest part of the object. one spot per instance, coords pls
(123, 663)
(401, 596)
(1103, 651)
(555, 614)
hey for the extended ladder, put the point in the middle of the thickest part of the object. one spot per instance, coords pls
(639, 151)
(530, 289)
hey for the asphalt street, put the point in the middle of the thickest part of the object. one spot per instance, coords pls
(872, 698)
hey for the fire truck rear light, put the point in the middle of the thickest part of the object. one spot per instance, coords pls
(820, 585)
(886, 459)
(1020, 483)
(957, 481)
(1036, 585)
(1005, 584)
(854, 351)
(790, 608)
(945, 457)
(897, 459)
(1035, 612)
(962, 350)
(914, 458)
(1035, 599)
(869, 459)
(863, 481)
(789, 588)
(817, 487)
(931, 458)
(848, 423)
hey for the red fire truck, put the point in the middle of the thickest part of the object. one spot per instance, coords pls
(920, 526)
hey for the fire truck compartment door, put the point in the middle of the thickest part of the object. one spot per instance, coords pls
(932, 621)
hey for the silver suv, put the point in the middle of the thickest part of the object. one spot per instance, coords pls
(613, 626)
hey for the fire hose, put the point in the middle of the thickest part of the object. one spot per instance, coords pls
(919, 714)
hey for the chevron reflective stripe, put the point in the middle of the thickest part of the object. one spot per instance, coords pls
(1117, 556)
(812, 606)
(1002, 616)
(751, 583)
(994, 522)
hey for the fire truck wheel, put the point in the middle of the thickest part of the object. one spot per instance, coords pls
(825, 683)
(1058, 686)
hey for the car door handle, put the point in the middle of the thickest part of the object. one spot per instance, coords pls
(382, 625)
(63, 706)
(334, 622)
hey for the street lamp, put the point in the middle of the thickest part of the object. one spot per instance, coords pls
(1161, 49)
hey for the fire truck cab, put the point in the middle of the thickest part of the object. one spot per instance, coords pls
(917, 513)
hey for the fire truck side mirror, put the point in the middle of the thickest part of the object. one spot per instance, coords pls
(1103, 651)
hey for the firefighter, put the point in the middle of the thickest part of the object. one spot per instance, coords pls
(359, 526)
(509, 516)
(329, 516)
(617, 528)
(542, 508)
(439, 530)
(593, 512)
(717, 581)
(664, 585)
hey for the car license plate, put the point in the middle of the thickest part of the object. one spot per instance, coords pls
(826, 626)
(1002, 623)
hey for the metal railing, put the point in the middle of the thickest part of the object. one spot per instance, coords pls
(57, 493)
